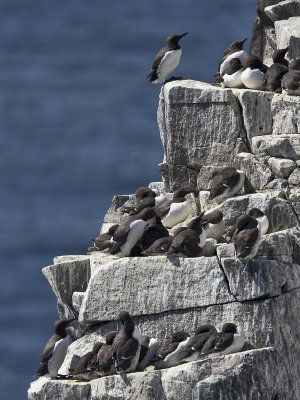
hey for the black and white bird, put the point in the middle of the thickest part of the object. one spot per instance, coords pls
(172, 212)
(129, 232)
(234, 51)
(246, 236)
(161, 246)
(169, 353)
(103, 241)
(149, 348)
(225, 183)
(152, 232)
(253, 76)
(213, 224)
(104, 359)
(55, 350)
(84, 368)
(126, 346)
(230, 340)
(189, 242)
(166, 60)
(290, 83)
(194, 346)
(159, 198)
(261, 218)
(144, 197)
(276, 71)
(233, 76)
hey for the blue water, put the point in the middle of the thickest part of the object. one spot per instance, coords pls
(78, 125)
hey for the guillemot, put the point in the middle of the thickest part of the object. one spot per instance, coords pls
(154, 231)
(161, 246)
(103, 241)
(230, 340)
(166, 60)
(55, 350)
(232, 77)
(144, 197)
(126, 346)
(194, 346)
(174, 211)
(169, 353)
(129, 232)
(246, 236)
(234, 51)
(149, 348)
(85, 365)
(189, 242)
(290, 83)
(225, 183)
(104, 359)
(276, 71)
(253, 76)
(213, 223)
(261, 218)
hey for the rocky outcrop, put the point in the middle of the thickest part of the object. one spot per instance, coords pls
(203, 128)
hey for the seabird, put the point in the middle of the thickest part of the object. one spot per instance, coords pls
(246, 236)
(172, 212)
(279, 56)
(290, 83)
(166, 60)
(154, 231)
(149, 348)
(55, 350)
(126, 346)
(230, 340)
(276, 71)
(232, 77)
(144, 197)
(161, 246)
(170, 352)
(103, 241)
(194, 346)
(85, 365)
(213, 224)
(104, 360)
(129, 232)
(189, 242)
(253, 76)
(234, 51)
(225, 183)
(261, 218)
(159, 198)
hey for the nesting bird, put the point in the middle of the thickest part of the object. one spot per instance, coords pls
(170, 352)
(149, 348)
(174, 211)
(276, 71)
(234, 51)
(104, 360)
(166, 60)
(55, 350)
(153, 231)
(126, 346)
(225, 183)
(162, 246)
(103, 241)
(253, 76)
(85, 365)
(213, 224)
(194, 346)
(230, 340)
(290, 83)
(233, 76)
(189, 242)
(129, 232)
(144, 197)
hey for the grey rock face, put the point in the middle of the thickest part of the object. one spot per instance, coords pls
(283, 10)
(281, 146)
(285, 114)
(294, 178)
(288, 34)
(281, 167)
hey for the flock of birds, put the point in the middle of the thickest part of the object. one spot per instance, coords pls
(145, 232)
(127, 350)
(236, 69)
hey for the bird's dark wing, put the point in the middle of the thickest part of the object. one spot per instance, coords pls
(153, 73)
(210, 344)
(82, 363)
(224, 341)
(163, 208)
(245, 241)
(127, 349)
(120, 236)
(46, 355)
(167, 348)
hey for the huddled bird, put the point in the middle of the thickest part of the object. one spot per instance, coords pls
(225, 183)
(253, 76)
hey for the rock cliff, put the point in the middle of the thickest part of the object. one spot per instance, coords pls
(202, 128)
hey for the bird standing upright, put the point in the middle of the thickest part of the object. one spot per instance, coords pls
(166, 60)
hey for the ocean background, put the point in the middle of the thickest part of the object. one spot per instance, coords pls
(78, 125)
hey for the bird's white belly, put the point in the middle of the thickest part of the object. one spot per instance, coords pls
(238, 343)
(215, 231)
(168, 64)
(263, 224)
(242, 55)
(178, 213)
(253, 78)
(173, 358)
(58, 356)
(233, 80)
(136, 231)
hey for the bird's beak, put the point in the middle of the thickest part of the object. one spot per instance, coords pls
(183, 34)
(243, 41)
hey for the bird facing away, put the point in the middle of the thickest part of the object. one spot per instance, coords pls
(246, 236)
(149, 348)
(55, 350)
(171, 350)
(144, 197)
(279, 56)
(126, 346)
(253, 76)
(290, 83)
(194, 346)
(230, 340)
(161, 246)
(225, 183)
(84, 366)
(166, 60)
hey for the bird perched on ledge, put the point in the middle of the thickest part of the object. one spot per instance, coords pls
(166, 60)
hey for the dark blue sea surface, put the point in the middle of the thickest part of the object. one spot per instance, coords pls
(78, 125)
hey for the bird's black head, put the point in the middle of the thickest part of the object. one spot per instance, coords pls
(172, 41)
(229, 328)
(278, 55)
(145, 340)
(179, 336)
(143, 192)
(113, 229)
(253, 62)
(147, 213)
(97, 346)
(237, 45)
(180, 194)
(206, 328)
(60, 327)
(256, 213)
